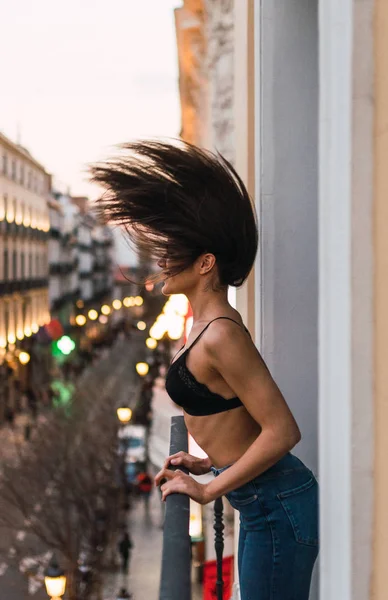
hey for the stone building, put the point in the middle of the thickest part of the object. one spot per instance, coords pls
(24, 230)
(64, 286)
(205, 39)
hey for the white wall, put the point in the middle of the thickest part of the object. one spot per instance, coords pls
(287, 199)
(288, 207)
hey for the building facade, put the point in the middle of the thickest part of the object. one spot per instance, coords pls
(64, 287)
(310, 109)
(24, 229)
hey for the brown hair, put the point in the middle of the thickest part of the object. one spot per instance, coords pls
(179, 201)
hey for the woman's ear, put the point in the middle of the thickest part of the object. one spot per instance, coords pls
(207, 262)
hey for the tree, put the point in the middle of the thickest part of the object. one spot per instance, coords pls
(71, 471)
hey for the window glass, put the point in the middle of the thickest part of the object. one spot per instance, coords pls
(14, 265)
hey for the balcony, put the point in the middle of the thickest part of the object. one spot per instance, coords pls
(19, 285)
(85, 274)
(62, 301)
(63, 268)
(20, 230)
(175, 581)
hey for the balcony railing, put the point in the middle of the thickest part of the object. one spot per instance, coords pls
(175, 581)
(20, 230)
(63, 268)
(22, 285)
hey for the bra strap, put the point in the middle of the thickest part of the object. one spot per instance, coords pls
(210, 322)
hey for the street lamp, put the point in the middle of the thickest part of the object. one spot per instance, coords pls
(151, 343)
(124, 414)
(55, 580)
(24, 358)
(142, 368)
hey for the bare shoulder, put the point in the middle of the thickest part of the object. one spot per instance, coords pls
(228, 343)
(227, 335)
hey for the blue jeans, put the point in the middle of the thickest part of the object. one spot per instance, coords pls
(278, 542)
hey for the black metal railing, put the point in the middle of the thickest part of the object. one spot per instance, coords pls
(219, 544)
(175, 581)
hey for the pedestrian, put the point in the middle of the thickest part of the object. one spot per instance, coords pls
(9, 415)
(145, 484)
(125, 546)
(124, 594)
(32, 402)
(192, 213)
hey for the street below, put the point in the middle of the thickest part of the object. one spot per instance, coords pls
(23, 557)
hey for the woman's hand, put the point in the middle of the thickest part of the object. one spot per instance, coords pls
(195, 465)
(177, 482)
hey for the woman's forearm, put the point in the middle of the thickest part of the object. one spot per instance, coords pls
(265, 451)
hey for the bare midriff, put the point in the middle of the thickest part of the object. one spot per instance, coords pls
(225, 436)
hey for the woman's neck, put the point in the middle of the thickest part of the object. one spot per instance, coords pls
(207, 305)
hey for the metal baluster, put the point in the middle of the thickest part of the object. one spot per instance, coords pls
(219, 544)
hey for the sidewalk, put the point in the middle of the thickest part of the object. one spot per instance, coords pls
(144, 571)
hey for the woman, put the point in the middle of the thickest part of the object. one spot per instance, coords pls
(191, 211)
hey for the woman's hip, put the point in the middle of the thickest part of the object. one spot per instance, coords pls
(283, 498)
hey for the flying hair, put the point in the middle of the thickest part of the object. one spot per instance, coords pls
(178, 201)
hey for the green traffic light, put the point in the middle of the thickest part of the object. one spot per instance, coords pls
(65, 344)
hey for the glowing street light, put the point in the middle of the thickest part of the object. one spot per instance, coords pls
(124, 414)
(105, 309)
(151, 343)
(24, 358)
(117, 304)
(80, 320)
(92, 314)
(11, 338)
(141, 325)
(55, 580)
(138, 301)
(142, 368)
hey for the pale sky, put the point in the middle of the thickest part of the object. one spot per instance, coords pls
(80, 76)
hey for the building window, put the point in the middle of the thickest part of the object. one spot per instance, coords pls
(14, 265)
(30, 274)
(13, 175)
(5, 164)
(29, 180)
(22, 266)
(22, 174)
(5, 264)
(37, 265)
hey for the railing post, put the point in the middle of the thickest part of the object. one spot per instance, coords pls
(175, 583)
(219, 544)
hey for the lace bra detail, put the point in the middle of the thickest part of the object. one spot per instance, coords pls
(194, 397)
(188, 379)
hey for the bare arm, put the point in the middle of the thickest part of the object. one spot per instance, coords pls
(242, 367)
(233, 355)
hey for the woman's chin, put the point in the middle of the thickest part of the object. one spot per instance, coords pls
(165, 289)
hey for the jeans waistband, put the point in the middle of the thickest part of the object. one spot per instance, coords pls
(288, 464)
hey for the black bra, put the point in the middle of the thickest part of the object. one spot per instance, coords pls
(195, 398)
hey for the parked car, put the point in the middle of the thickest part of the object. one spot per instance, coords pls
(135, 443)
